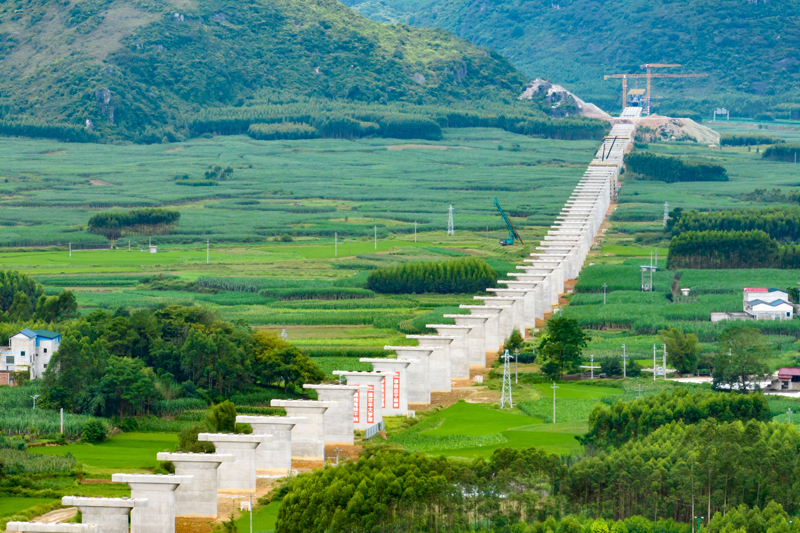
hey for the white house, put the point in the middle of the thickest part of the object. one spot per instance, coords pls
(30, 350)
(767, 304)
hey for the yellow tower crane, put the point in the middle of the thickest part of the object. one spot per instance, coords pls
(648, 76)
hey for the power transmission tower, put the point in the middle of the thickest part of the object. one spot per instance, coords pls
(666, 213)
(506, 396)
(450, 228)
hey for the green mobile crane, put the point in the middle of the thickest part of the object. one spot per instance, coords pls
(512, 231)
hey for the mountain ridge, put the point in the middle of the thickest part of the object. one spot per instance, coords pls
(751, 49)
(128, 66)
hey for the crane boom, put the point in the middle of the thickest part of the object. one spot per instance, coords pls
(512, 231)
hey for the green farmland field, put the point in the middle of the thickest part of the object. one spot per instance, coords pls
(12, 505)
(314, 187)
(129, 452)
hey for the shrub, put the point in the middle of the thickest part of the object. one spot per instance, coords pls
(783, 152)
(94, 430)
(747, 139)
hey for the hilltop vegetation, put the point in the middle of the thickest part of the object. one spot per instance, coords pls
(748, 48)
(141, 69)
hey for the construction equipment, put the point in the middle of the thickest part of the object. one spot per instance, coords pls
(512, 231)
(649, 75)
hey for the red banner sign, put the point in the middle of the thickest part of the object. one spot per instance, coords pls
(356, 406)
(396, 391)
(371, 404)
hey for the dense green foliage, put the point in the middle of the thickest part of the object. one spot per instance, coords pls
(783, 152)
(711, 465)
(650, 166)
(411, 492)
(144, 80)
(115, 224)
(122, 364)
(749, 139)
(457, 276)
(556, 41)
(282, 130)
(722, 249)
(781, 223)
(625, 421)
(22, 299)
(338, 120)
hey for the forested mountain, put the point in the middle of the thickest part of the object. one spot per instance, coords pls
(750, 48)
(130, 65)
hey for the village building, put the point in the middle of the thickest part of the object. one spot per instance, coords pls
(29, 351)
(767, 304)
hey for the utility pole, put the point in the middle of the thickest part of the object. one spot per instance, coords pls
(654, 362)
(554, 387)
(640, 392)
(62, 420)
(506, 397)
(624, 360)
(665, 362)
(34, 400)
(591, 358)
(337, 450)
(604, 293)
(516, 365)
(666, 213)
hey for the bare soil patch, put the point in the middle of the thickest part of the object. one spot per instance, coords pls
(99, 183)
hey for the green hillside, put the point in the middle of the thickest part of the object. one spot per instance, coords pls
(749, 48)
(142, 69)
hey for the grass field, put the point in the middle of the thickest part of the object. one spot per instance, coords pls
(12, 505)
(264, 519)
(128, 452)
(475, 430)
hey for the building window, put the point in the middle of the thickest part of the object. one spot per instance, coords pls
(45, 350)
(22, 353)
(9, 359)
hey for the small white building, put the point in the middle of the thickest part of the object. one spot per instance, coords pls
(30, 350)
(767, 304)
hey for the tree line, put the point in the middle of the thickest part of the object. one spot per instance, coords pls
(677, 472)
(22, 299)
(338, 120)
(48, 130)
(150, 221)
(456, 276)
(626, 421)
(722, 250)
(121, 363)
(650, 166)
(781, 223)
(731, 249)
(782, 152)
(747, 139)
